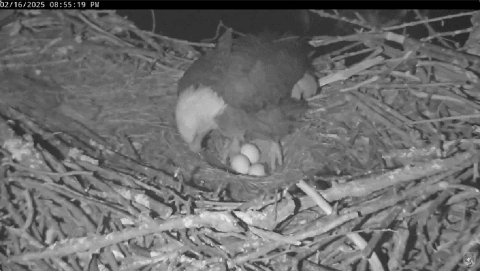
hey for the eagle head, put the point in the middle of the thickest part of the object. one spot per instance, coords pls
(195, 114)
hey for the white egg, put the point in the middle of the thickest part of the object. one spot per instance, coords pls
(251, 151)
(256, 170)
(240, 163)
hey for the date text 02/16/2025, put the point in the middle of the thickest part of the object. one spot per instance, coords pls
(49, 4)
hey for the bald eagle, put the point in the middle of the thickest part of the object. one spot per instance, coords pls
(243, 88)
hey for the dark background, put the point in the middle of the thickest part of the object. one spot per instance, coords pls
(196, 25)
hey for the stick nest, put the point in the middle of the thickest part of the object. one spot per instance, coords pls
(382, 176)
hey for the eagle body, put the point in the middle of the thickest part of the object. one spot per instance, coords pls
(243, 88)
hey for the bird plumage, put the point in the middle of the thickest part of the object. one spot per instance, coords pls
(242, 87)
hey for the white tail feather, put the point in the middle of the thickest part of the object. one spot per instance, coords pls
(195, 114)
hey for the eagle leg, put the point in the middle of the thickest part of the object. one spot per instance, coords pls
(271, 152)
(275, 155)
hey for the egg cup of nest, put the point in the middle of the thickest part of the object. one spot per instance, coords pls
(247, 161)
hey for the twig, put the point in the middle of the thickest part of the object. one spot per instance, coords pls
(430, 29)
(31, 211)
(445, 119)
(317, 198)
(450, 33)
(221, 221)
(355, 237)
(152, 12)
(340, 18)
(53, 174)
(447, 17)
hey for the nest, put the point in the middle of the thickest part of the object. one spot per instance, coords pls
(382, 176)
